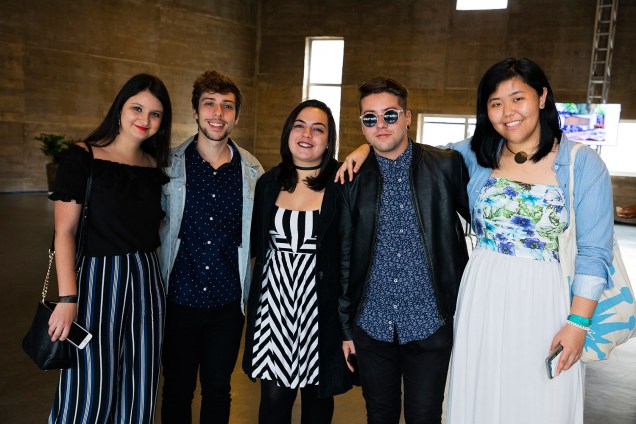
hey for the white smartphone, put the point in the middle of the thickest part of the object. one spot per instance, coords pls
(552, 361)
(78, 336)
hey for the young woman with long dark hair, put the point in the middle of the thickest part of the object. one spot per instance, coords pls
(118, 295)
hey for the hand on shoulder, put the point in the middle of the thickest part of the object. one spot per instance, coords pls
(352, 163)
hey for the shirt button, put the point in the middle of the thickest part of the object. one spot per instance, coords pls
(211, 219)
(207, 267)
(399, 254)
(205, 289)
(401, 231)
(395, 280)
(399, 180)
(401, 206)
(394, 306)
(390, 322)
(214, 195)
(214, 173)
(209, 242)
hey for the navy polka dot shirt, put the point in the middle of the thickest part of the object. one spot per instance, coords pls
(205, 273)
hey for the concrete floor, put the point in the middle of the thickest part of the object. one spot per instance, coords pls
(26, 393)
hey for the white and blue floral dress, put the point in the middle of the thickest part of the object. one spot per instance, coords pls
(511, 305)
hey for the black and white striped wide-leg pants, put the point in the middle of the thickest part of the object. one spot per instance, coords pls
(114, 378)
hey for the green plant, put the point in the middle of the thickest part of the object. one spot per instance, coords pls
(53, 144)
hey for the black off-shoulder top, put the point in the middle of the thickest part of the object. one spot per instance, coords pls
(125, 203)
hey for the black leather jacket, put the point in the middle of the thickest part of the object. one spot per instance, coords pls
(438, 180)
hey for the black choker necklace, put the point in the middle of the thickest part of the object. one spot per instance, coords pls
(307, 168)
(520, 157)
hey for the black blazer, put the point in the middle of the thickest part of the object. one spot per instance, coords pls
(334, 376)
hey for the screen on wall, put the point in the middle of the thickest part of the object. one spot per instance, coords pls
(590, 123)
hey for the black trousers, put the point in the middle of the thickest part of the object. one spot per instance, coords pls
(422, 364)
(277, 403)
(205, 341)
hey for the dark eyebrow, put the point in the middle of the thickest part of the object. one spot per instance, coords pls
(222, 101)
(142, 106)
(364, 112)
(510, 95)
(315, 123)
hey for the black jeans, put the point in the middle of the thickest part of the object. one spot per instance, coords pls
(205, 341)
(277, 403)
(423, 364)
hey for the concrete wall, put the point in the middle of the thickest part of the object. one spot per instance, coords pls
(63, 63)
(438, 52)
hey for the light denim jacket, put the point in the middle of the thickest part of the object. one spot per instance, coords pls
(593, 205)
(173, 197)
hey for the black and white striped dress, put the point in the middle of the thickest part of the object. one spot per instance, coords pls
(286, 333)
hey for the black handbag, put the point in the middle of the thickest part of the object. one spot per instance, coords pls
(37, 343)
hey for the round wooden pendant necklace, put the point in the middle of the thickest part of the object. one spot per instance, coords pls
(520, 157)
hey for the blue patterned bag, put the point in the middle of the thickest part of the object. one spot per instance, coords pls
(614, 319)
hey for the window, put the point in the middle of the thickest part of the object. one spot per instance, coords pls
(439, 130)
(323, 73)
(481, 4)
(620, 158)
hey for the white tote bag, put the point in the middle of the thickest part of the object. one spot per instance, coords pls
(614, 319)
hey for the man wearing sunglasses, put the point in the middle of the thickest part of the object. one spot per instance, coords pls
(403, 254)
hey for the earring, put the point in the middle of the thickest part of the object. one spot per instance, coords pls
(541, 106)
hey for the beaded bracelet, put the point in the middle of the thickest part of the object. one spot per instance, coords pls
(67, 299)
(579, 326)
(577, 319)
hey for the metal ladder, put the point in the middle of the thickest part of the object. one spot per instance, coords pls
(602, 49)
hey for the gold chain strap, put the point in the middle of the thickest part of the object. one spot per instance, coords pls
(45, 289)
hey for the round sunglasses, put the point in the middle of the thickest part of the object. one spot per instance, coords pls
(391, 116)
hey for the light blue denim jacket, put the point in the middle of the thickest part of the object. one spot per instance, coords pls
(173, 197)
(593, 206)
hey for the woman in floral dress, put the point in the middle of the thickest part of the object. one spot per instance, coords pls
(511, 310)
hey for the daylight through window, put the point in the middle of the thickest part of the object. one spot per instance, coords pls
(323, 73)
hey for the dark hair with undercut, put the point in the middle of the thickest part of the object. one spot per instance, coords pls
(486, 140)
(288, 176)
(382, 84)
(214, 82)
(157, 145)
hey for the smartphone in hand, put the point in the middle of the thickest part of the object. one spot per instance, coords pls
(355, 375)
(78, 336)
(552, 361)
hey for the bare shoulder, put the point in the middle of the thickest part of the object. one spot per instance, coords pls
(82, 144)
